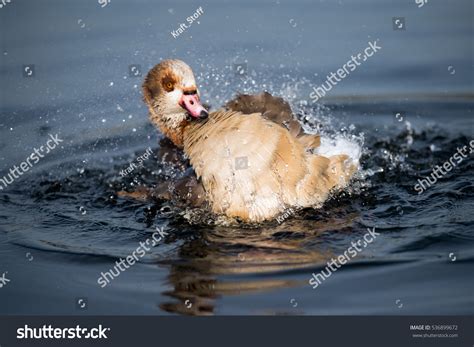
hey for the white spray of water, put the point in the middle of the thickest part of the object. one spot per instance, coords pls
(340, 145)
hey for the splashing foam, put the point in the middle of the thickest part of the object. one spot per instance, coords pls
(340, 145)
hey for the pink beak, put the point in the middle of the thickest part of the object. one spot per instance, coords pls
(191, 103)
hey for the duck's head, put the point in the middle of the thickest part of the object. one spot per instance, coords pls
(172, 97)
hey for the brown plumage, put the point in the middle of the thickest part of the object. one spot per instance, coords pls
(252, 158)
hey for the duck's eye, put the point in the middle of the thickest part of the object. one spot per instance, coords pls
(169, 86)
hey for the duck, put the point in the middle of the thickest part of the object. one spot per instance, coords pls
(251, 159)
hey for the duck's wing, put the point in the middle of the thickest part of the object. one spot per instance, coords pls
(186, 191)
(276, 110)
(272, 108)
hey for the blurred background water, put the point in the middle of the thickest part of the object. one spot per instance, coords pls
(61, 223)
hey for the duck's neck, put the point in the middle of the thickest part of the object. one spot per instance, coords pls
(196, 132)
(175, 134)
(172, 126)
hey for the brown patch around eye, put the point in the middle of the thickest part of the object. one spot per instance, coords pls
(168, 83)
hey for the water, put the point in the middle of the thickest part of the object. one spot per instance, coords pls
(62, 223)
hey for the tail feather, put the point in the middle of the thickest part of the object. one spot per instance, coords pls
(340, 171)
(325, 174)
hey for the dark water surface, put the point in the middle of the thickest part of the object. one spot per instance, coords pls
(62, 223)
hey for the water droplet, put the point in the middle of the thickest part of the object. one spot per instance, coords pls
(82, 210)
(293, 23)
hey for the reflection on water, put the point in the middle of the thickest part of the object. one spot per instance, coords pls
(257, 252)
(237, 252)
